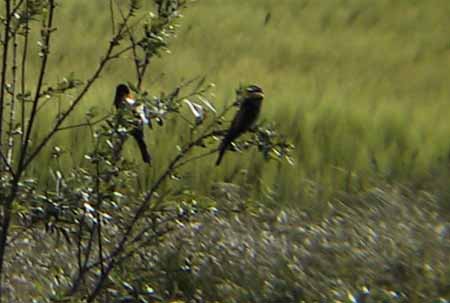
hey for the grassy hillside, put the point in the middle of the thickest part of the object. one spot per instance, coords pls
(360, 86)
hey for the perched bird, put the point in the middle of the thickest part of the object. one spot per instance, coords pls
(250, 107)
(123, 99)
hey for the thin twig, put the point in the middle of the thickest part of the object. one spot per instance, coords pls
(23, 71)
(113, 22)
(12, 107)
(97, 210)
(80, 274)
(100, 244)
(140, 71)
(17, 7)
(8, 166)
(89, 123)
(5, 43)
(88, 250)
(120, 52)
(135, 58)
(208, 153)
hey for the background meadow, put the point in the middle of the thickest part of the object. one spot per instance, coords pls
(360, 87)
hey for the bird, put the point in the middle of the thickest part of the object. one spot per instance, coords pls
(123, 98)
(248, 112)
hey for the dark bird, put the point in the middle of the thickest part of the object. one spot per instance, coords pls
(250, 107)
(122, 100)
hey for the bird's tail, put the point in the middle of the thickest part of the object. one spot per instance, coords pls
(143, 148)
(223, 147)
(219, 159)
(144, 152)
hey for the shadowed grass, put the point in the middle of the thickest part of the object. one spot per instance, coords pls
(389, 241)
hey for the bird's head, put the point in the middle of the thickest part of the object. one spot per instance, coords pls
(123, 94)
(250, 92)
(122, 91)
(254, 92)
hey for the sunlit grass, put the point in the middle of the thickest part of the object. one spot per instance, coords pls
(360, 86)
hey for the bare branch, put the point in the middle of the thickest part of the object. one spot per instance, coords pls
(8, 166)
(89, 123)
(5, 43)
(17, 7)
(23, 71)
(121, 52)
(12, 107)
(195, 158)
(113, 22)
(46, 32)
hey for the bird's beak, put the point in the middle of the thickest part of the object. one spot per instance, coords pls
(258, 94)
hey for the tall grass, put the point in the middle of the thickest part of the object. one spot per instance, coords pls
(360, 86)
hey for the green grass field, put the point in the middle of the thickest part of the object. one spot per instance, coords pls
(360, 86)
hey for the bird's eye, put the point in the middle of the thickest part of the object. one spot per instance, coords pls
(253, 89)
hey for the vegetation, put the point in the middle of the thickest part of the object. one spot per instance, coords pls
(331, 72)
(384, 246)
(358, 212)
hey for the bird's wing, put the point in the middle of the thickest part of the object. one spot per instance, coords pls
(130, 101)
(238, 125)
(140, 110)
(244, 119)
